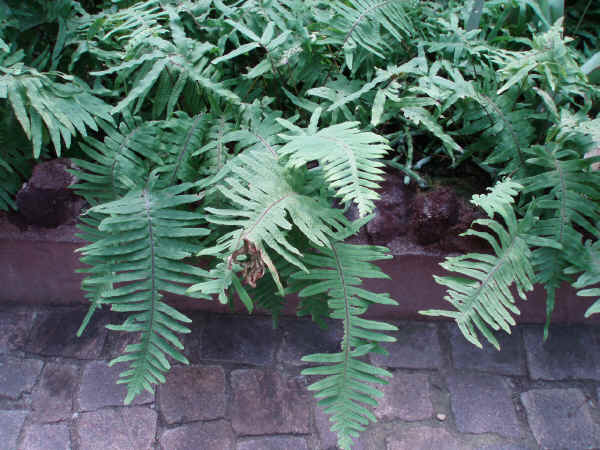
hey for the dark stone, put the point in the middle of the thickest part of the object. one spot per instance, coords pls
(192, 393)
(14, 328)
(392, 210)
(569, 353)
(406, 397)
(510, 360)
(435, 212)
(52, 398)
(249, 340)
(273, 443)
(423, 437)
(304, 337)
(99, 387)
(482, 403)
(18, 375)
(46, 198)
(417, 347)
(55, 334)
(44, 437)
(130, 428)
(192, 341)
(216, 435)
(264, 402)
(561, 418)
(10, 427)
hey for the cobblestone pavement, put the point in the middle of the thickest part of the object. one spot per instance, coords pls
(243, 389)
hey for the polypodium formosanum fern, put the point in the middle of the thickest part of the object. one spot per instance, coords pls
(240, 131)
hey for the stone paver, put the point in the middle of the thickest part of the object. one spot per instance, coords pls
(482, 403)
(193, 393)
(216, 435)
(99, 387)
(406, 397)
(14, 328)
(510, 360)
(417, 346)
(273, 443)
(244, 391)
(265, 402)
(303, 337)
(561, 418)
(239, 339)
(10, 427)
(569, 353)
(55, 334)
(52, 398)
(18, 375)
(45, 437)
(131, 428)
(423, 438)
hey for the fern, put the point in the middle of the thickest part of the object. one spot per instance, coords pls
(481, 294)
(45, 107)
(588, 264)
(350, 158)
(346, 387)
(139, 248)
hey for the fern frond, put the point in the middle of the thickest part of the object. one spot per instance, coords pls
(120, 161)
(587, 264)
(481, 293)
(346, 388)
(139, 248)
(563, 190)
(46, 107)
(351, 159)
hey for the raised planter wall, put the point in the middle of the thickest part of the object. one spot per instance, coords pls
(38, 267)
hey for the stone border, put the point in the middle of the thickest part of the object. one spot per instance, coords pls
(39, 268)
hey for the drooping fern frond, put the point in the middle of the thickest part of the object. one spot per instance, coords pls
(563, 190)
(121, 162)
(45, 107)
(337, 272)
(481, 292)
(168, 63)
(361, 22)
(267, 201)
(140, 243)
(351, 159)
(587, 264)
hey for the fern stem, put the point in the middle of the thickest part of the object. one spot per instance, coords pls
(184, 150)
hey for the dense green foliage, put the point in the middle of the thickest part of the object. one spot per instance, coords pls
(241, 130)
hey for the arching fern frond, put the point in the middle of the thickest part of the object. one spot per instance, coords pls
(138, 247)
(120, 162)
(563, 190)
(45, 107)
(351, 159)
(337, 272)
(267, 201)
(587, 264)
(481, 292)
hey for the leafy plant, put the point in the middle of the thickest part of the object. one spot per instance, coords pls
(242, 132)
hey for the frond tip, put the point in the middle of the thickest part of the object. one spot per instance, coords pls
(139, 247)
(347, 384)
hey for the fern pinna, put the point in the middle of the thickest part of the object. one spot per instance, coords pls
(242, 132)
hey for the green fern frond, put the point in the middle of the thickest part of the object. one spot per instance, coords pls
(587, 264)
(46, 107)
(120, 161)
(351, 159)
(140, 243)
(481, 294)
(337, 272)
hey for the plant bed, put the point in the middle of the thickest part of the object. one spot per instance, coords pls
(42, 261)
(243, 153)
